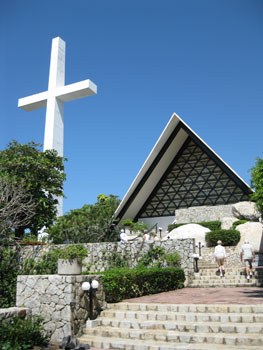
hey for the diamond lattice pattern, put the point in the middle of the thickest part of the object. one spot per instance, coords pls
(193, 179)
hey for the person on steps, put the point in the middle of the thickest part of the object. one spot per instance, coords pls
(247, 254)
(220, 256)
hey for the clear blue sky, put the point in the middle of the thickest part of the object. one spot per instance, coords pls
(202, 59)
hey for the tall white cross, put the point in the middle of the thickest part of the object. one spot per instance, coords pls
(54, 99)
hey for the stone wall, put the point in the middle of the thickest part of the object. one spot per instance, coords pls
(10, 312)
(232, 256)
(60, 301)
(204, 213)
(100, 254)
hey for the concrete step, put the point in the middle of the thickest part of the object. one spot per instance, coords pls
(211, 272)
(109, 316)
(251, 339)
(138, 326)
(131, 344)
(186, 325)
(195, 284)
(185, 308)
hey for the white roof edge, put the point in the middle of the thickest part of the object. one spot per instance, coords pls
(174, 120)
(146, 164)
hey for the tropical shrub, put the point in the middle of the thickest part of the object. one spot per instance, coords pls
(172, 259)
(22, 334)
(125, 283)
(47, 264)
(173, 226)
(239, 222)
(9, 268)
(212, 225)
(228, 237)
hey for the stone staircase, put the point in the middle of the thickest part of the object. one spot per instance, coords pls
(234, 277)
(131, 326)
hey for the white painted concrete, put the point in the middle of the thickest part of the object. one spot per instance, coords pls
(54, 99)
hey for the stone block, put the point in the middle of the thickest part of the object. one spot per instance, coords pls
(246, 210)
(253, 232)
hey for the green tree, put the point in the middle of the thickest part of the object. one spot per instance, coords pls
(41, 174)
(91, 223)
(257, 183)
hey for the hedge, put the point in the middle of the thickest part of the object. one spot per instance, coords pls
(126, 283)
(212, 225)
(239, 222)
(228, 237)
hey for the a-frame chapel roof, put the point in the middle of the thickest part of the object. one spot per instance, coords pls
(181, 171)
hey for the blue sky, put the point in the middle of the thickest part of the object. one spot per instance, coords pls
(201, 59)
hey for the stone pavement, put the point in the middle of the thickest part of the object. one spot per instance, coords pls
(248, 295)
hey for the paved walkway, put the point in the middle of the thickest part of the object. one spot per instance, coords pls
(252, 295)
(247, 295)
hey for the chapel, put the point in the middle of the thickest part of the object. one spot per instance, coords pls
(182, 174)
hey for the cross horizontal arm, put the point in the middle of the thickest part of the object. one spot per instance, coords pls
(77, 90)
(33, 102)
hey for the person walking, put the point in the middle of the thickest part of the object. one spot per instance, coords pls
(123, 236)
(220, 256)
(247, 254)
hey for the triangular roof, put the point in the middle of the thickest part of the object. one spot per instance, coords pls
(180, 171)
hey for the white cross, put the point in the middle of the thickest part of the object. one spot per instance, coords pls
(54, 99)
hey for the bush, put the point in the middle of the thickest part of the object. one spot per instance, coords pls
(239, 222)
(19, 334)
(172, 259)
(125, 283)
(8, 272)
(228, 237)
(153, 257)
(48, 263)
(173, 226)
(212, 225)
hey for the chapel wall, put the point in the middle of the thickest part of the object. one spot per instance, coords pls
(203, 213)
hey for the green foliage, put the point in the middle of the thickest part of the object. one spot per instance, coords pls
(228, 237)
(48, 263)
(40, 173)
(8, 272)
(172, 259)
(152, 258)
(239, 222)
(157, 257)
(135, 226)
(212, 225)
(139, 226)
(173, 226)
(124, 283)
(22, 334)
(72, 252)
(91, 223)
(127, 222)
(116, 260)
(257, 184)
